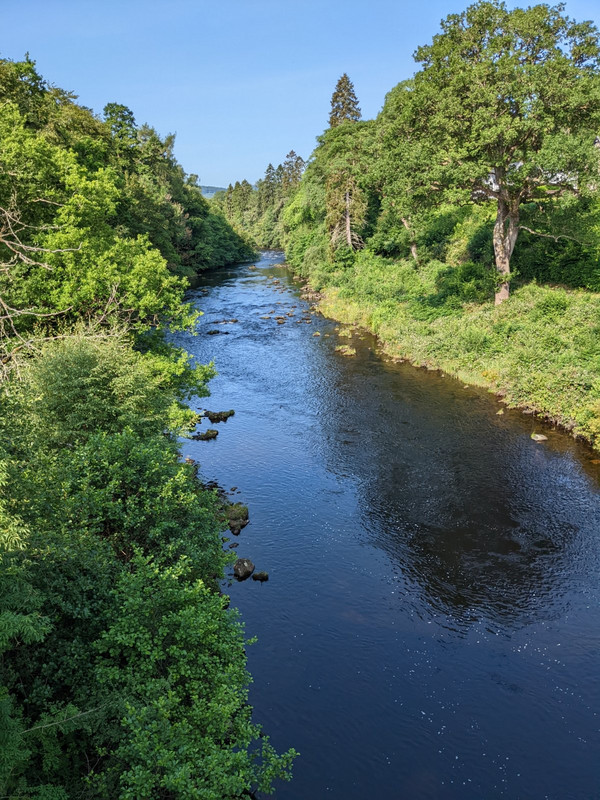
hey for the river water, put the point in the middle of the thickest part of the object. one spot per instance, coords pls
(430, 629)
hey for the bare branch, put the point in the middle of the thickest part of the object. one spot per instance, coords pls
(550, 236)
(68, 719)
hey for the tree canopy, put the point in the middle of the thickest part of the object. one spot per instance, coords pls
(509, 104)
(344, 103)
(256, 211)
(122, 671)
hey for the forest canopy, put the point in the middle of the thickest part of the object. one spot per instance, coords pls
(122, 670)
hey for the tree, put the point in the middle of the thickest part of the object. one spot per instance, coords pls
(344, 104)
(393, 168)
(293, 166)
(343, 154)
(510, 101)
(121, 122)
(266, 189)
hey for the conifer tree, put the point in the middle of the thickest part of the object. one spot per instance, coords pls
(279, 179)
(266, 189)
(344, 103)
(293, 166)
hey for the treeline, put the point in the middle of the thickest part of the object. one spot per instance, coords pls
(122, 672)
(487, 157)
(256, 211)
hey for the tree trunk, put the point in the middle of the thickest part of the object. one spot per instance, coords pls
(347, 216)
(506, 230)
(413, 244)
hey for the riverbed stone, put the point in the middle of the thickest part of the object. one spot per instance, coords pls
(219, 416)
(539, 437)
(211, 433)
(237, 517)
(260, 576)
(243, 568)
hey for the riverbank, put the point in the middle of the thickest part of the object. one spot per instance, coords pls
(540, 351)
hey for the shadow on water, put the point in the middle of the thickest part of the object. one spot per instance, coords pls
(430, 627)
(483, 519)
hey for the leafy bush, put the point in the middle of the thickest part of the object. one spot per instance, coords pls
(122, 673)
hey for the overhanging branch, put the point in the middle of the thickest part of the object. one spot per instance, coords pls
(551, 236)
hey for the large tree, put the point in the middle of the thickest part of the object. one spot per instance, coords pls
(344, 104)
(510, 104)
(343, 158)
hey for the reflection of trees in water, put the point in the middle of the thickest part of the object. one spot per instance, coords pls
(485, 522)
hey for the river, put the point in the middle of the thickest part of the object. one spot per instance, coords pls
(430, 629)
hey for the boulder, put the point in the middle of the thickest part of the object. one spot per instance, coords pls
(260, 576)
(219, 416)
(237, 517)
(204, 437)
(243, 568)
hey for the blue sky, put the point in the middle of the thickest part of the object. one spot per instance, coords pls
(241, 82)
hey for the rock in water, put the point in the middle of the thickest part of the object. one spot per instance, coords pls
(260, 576)
(539, 437)
(237, 517)
(219, 416)
(243, 568)
(211, 433)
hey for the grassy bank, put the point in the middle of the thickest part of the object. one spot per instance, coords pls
(540, 350)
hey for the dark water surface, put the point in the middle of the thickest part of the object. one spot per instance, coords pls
(431, 626)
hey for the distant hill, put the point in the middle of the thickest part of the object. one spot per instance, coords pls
(208, 191)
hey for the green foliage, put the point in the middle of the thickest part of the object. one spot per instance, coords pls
(344, 104)
(80, 385)
(177, 657)
(257, 212)
(93, 210)
(122, 674)
(573, 257)
(491, 144)
(509, 102)
(430, 169)
(134, 674)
